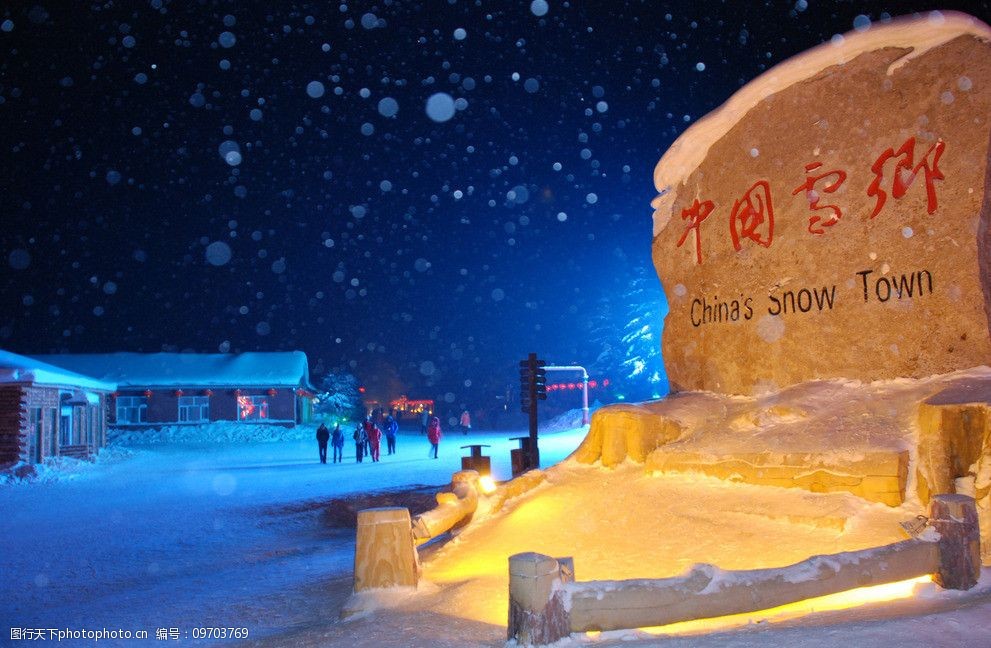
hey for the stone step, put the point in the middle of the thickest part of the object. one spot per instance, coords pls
(875, 476)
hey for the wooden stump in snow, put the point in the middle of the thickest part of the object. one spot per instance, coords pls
(537, 614)
(955, 518)
(453, 508)
(384, 555)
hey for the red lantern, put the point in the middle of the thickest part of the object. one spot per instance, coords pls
(592, 384)
(272, 392)
(178, 393)
(147, 393)
(208, 392)
(605, 383)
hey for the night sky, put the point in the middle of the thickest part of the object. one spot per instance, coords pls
(221, 176)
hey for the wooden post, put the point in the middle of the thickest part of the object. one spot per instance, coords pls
(707, 592)
(453, 508)
(955, 518)
(384, 555)
(537, 615)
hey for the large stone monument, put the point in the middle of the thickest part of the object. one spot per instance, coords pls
(830, 220)
(825, 228)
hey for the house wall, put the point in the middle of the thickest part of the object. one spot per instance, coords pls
(162, 408)
(10, 425)
(26, 409)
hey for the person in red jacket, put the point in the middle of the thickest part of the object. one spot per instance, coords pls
(433, 434)
(374, 438)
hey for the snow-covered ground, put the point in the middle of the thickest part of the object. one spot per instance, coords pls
(235, 535)
(191, 535)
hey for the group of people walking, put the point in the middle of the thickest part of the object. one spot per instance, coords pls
(367, 438)
(336, 439)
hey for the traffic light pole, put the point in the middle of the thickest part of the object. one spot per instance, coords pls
(534, 450)
(533, 387)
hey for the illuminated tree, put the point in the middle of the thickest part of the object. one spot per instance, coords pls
(627, 333)
(339, 396)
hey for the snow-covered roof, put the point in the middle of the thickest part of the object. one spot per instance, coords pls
(916, 34)
(22, 369)
(255, 369)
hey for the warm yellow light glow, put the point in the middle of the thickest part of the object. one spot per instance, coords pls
(838, 601)
(486, 484)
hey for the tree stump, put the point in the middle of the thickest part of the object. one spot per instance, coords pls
(537, 613)
(955, 518)
(384, 554)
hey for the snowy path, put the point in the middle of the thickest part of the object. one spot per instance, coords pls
(621, 524)
(186, 536)
(189, 536)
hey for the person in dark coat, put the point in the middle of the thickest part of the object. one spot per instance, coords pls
(424, 421)
(337, 443)
(323, 434)
(374, 438)
(360, 439)
(433, 435)
(391, 428)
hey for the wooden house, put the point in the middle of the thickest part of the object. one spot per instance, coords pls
(48, 411)
(156, 389)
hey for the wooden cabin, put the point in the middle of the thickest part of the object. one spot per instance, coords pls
(48, 411)
(156, 389)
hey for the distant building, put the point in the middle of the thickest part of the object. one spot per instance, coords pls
(155, 389)
(410, 407)
(48, 411)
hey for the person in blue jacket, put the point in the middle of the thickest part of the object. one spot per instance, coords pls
(337, 443)
(391, 428)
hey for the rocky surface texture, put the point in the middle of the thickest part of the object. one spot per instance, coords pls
(830, 221)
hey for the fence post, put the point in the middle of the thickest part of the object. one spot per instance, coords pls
(537, 614)
(955, 518)
(384, 555)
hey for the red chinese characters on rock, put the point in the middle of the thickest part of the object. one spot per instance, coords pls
(905, 172)
(816, 222)
(695, 214)
(753, 216)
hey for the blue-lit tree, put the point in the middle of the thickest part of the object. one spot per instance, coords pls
(627, 333)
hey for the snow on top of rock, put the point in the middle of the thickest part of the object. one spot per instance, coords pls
(690, 149)
(262, 369)
(22, 369)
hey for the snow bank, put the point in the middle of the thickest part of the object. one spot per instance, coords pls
(61, 469)
(568, 420)
(216, 432)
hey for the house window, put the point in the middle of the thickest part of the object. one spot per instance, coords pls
(35, 435)
(252, 408)
(65, 426)
(131, 410)
(53, 420)
(89, 419)
(194, 409)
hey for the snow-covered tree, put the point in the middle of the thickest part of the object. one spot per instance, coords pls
(627, 333)
(339, 396)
